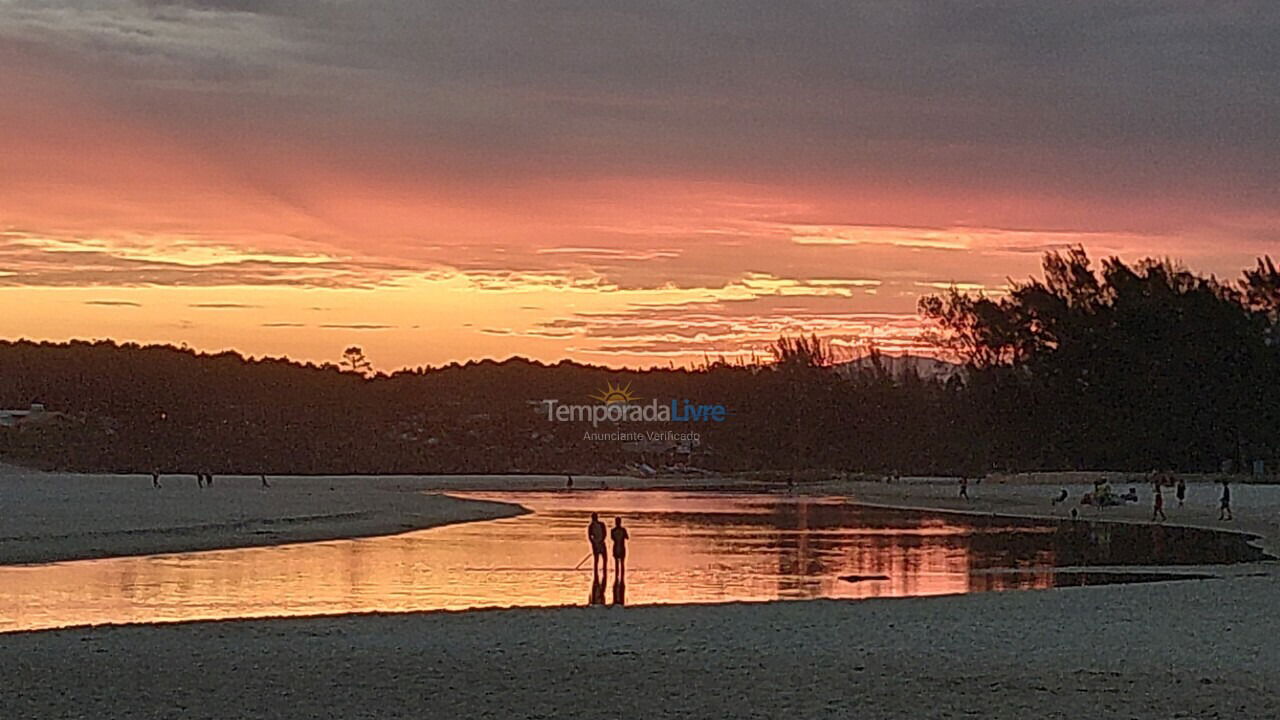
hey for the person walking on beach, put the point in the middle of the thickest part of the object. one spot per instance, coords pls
(1181, 491)
(620, 536)
(595, 535)
(1225, 512)
(964, 488)
(1158, 510)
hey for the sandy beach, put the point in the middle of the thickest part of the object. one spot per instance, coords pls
(1256, 507)
(1179, 650)
(1193, 649)
(55, 516)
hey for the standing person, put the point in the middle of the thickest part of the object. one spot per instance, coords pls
(964, 488)
(265, 484)
(1158, 511)
(1181, 491)
(1225, 512)
(620, 536)
(199, 479)
(595, 534)
(155, 479)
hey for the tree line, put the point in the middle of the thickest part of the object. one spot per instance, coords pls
(1131, 367)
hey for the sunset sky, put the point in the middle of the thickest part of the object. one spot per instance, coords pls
(625, 183)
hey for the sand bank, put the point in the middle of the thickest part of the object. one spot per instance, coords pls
(1186, 649)
(46, 517)
(1256, 507)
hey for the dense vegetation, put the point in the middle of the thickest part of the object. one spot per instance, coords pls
(1135, 366)
(1129, 367)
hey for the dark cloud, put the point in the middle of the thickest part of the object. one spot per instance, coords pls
(223, 306)
(113, 303)
(1128, 95)
(67, 262)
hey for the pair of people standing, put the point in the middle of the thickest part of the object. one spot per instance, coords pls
(1180, 490)
(596, 535)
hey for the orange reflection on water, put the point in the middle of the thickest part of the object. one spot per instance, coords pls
(685, 548)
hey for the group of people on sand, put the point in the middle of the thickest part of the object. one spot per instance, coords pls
(1180, 490)
(1102, 496)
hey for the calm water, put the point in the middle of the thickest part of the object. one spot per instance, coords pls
(685, 548)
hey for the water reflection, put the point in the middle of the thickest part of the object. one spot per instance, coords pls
(684, 547)
(597, 590)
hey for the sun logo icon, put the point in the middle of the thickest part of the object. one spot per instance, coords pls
(615, 394)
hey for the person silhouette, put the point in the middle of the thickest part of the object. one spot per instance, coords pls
(1158, 510)
(620, 536)
(595, 535)
(1225, 512)
(155, 479)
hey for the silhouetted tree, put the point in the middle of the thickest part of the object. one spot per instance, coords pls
(353, 360)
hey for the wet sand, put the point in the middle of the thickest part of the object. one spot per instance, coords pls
(1202, 649)
(1195, 649)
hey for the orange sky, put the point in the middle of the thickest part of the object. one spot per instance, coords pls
(621, 184)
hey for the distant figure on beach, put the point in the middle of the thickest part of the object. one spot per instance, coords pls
(1181, 491)
(155, 479)
(265, 484)
(208, 479)
(199, 479)
(1158, 506)
(1062, 496)
(596, 534)
(568, 483)
(620, 536)
(964, 488)
(1225, 512)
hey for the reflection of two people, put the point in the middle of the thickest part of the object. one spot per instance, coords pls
(600, 560)
(598, 581)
